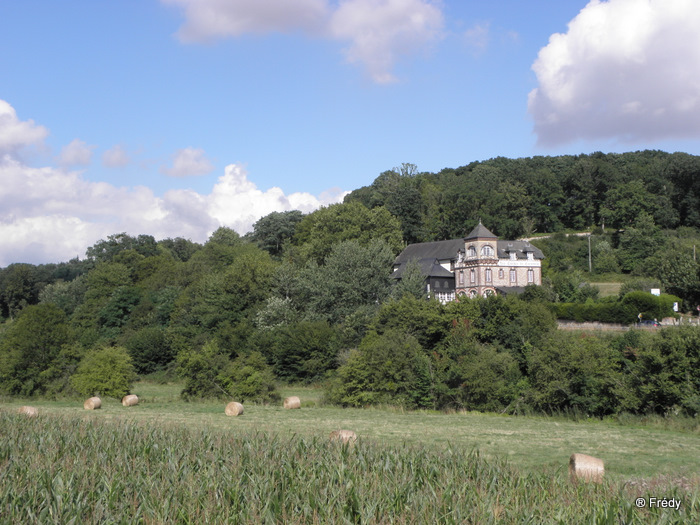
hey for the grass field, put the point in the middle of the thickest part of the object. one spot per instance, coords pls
(607, 289)
(527, 456)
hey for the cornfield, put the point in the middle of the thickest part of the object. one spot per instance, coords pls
(57, 469)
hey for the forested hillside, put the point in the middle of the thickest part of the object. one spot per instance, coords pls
(309, 298)
(517, 197)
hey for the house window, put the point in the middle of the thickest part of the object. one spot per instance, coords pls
(488, 275)
(512, 275)
(471, 252)
(461, 277)
(530, 256)
(487, 251)
(437, 284)
(500, 273)
(472, 276)
(512, 256)
(531, 276)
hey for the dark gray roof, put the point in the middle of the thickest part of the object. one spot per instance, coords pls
(428, 267)
(480, 231)
(442, 250)
(521, 249)
(510, 290)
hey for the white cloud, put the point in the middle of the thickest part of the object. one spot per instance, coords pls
(477, 37)
(77, 153)
(626, 69)
(381, 31)
(378, 32)
(52, 215)
(211, 19)
(115, 157)
(15, 133)
(188, 162)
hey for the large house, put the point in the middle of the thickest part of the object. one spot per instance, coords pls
(478, 264)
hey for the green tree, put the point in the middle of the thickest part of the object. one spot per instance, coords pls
(30, 346)
(106, 371)
(272, 231)
(249, 378)
(200, 368)
(679, 273)
(412, 282)
(149, 349)
(388, 368)
(320, 230)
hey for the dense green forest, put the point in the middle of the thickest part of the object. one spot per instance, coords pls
(308, 298)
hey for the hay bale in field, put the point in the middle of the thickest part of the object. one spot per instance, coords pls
(130, 400)
(344, 436)
(234, 409)
(28, 411)
(292, 402)
(586, 468)
(92, 404)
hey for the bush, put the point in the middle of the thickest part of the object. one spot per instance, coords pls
(250, 378)
(105, 372)
(388, 368)
(200, 368)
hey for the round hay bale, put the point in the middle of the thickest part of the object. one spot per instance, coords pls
(344, 436)
(586, 468)
(28, 411)
(292, 402)
(234, 409)
(130, 400)
(92, 404)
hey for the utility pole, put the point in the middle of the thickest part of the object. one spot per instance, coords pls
(590, 262)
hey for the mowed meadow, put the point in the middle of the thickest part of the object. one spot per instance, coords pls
(167, 461)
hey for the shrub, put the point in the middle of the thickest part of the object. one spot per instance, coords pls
(250, 378)
(106, 372)
(387, 368)
(200, 368)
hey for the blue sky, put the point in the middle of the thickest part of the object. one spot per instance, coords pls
(174, 117)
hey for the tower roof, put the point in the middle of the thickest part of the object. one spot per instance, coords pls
(480, 231)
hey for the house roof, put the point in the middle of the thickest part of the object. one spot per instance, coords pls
(442, 250)
(428, 268)
(481, 232)
(521, 249)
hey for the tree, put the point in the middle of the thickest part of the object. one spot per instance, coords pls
(272, 231)
(353, 276)
(412, 282)
(679, 273)
(105, 372)
(30, 346)
(149, 349)
(387, 368)
(17, 289)
(320, 230)
(249, 378)
(200, 369)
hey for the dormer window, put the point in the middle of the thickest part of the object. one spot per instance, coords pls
(471, 251)
(487, 251)
(513, 256)
(530, 255)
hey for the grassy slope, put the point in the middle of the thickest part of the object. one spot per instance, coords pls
(532, 443)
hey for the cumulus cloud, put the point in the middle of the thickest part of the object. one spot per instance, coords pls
(15, 133)
(50, 215)
(77, 153)
(625, 69)
(188, 162)
(115, 157)
(377, 32)
(381, 31)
